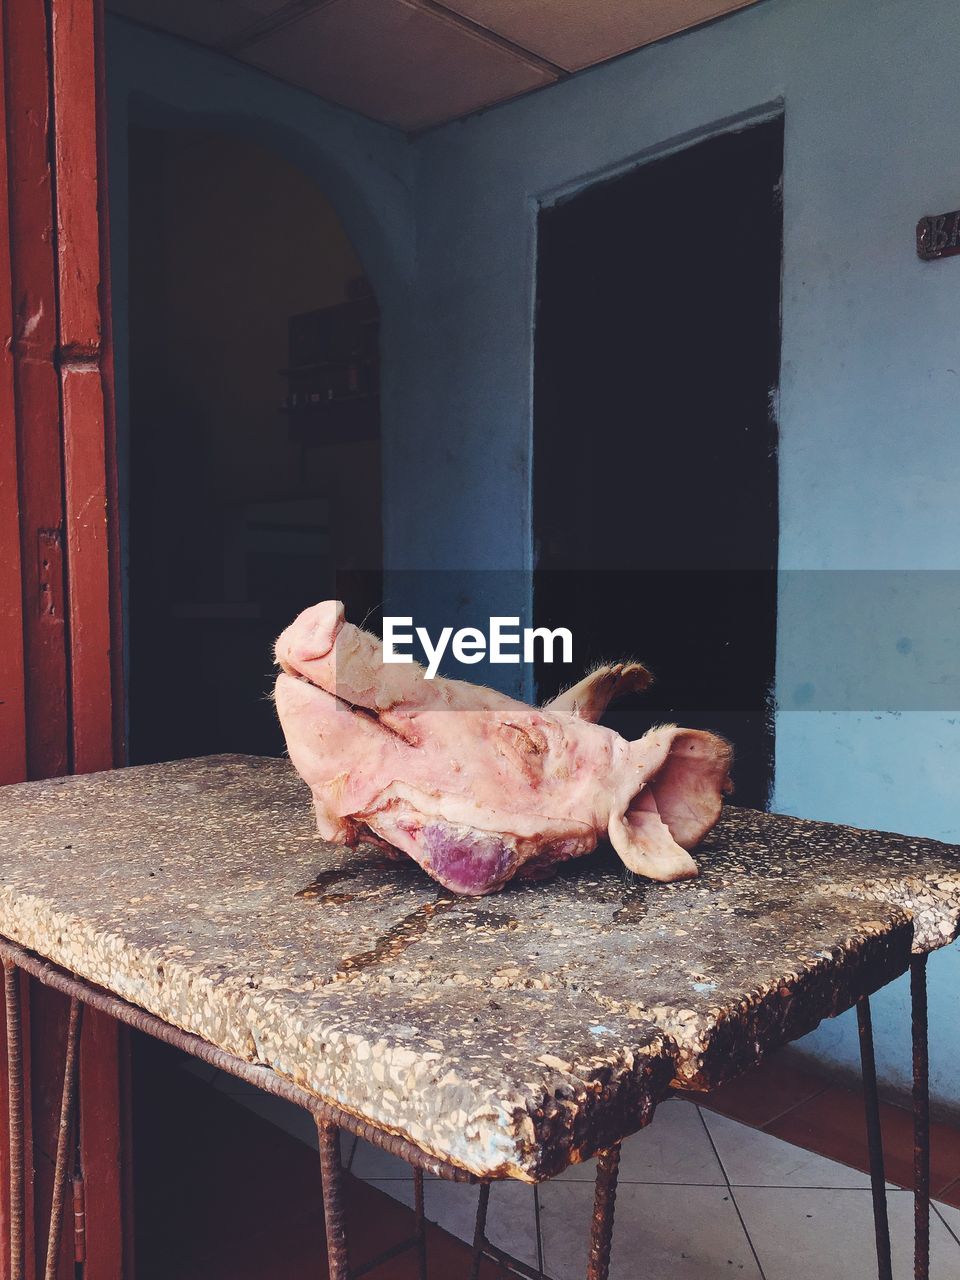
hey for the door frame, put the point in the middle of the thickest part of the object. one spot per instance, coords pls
(61, 675)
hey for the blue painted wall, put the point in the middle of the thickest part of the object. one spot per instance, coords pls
(870, 447)
(870, 393)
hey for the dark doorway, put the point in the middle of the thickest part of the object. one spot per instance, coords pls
(655, 467)
(253, 397)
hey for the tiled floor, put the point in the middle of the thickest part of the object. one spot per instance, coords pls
(221, 1194)
(702, 1195)
(807, 1111)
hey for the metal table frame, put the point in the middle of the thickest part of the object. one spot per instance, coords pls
(331, 1119)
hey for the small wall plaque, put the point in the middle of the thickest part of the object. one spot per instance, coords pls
(938, 236)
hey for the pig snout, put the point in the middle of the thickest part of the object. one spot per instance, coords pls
(309, 638)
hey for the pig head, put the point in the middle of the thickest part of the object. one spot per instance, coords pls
(474, 786)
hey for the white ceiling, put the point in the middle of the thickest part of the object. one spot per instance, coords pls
(415, 63)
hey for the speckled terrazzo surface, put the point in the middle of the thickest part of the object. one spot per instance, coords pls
(510, 1034)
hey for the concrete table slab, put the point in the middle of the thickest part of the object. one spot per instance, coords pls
(509, 1035)
(921, 876)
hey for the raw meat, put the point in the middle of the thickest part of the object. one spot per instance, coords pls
(477, 787)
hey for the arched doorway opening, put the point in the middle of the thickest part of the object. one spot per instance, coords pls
(254, 435)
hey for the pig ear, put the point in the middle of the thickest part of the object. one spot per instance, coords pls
(686, 775)
(590, 697)
(645, 845)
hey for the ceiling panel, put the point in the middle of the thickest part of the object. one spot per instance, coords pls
(577, 33)
(394, 62)
(413, 63)
(206, 21)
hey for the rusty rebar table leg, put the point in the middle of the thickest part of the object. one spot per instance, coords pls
(421, 1223)
(17, 962)
(604, 1203)
(921, 1118)
(11, 989)
(65, 1140)
(331, 1171)
(536, 1219)
(480, 1231)
(871, 1105)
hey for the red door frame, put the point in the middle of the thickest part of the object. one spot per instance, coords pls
(36, 393)
(78, 156)
(61, 690)
(13, 729)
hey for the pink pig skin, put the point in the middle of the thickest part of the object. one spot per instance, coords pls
(474, 786)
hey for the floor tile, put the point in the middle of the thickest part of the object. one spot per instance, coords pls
(228, 1083)
(299, 1253)
(763, 1094)
(832, 1123)
(675, 1148)
(511, 1217)
(291, 1119)
(375, 1164)
(400, 1189)
(285, 1115)
(662, 1233)
(201, 1070)
(202, 1162)
(752, 1158)
(376, 1221)
(224, 1195)
(951, 1216)
(829, 1234)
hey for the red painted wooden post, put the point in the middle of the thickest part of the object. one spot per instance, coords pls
(85, 474)
(13, 741)
(109, 396)
(31, 341)
(36, 385)
(103, 1049)
(89, 468)
(61, 705)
